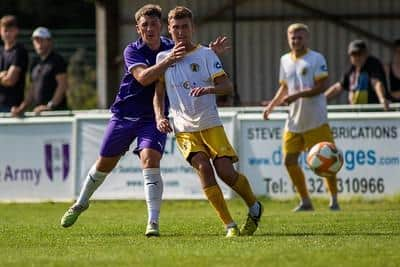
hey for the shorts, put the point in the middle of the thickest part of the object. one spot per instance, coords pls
(298, 142)
(213, 142)
(120, 133)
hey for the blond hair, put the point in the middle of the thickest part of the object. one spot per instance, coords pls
(298, 27)
(148, 10)
(180, 12)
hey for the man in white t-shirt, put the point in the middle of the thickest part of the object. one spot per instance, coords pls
(303, 75)
(191, 85)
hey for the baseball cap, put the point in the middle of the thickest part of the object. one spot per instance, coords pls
(41, 32)
(357, 46)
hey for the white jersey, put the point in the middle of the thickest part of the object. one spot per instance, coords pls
(305, 113)
(198, 68)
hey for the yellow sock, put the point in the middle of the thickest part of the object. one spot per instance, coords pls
(216, 199)
(331, 184)
(298, 179)
(243, 188)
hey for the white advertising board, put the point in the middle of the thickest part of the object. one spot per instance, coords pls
(126, 180)
(35, 159)
(370, 143)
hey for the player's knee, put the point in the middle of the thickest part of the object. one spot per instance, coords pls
(106, 164)
(150, 158)
(202, 164)
(150, 162)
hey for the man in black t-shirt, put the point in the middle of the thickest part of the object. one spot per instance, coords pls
(364, 80)
(48, 77)
(13, 65)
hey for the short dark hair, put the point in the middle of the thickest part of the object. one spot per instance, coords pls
(180, 12)
(148, 10)
(8, 21)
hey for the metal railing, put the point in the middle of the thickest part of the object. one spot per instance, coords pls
(394, 107)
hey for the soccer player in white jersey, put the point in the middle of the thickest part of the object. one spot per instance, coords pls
(191, 85)
(303, 75)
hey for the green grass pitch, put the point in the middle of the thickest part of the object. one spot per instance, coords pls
(112, 234)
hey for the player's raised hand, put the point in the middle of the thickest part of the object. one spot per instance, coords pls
(178, 52)
(220, 45)
(199, 91)
(164, 126)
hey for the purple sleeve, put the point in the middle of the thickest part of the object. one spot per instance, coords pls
(133, 58)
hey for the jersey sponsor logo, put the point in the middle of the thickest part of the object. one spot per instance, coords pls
(217, 65)
(304, 71)
(195, 67)
(324, 68)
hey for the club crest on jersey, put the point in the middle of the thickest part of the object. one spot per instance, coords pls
(186, 85)
(324, 68)
(217, 65)
(304, 71)
(195, 67)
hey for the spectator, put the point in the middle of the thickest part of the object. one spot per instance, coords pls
(13, 65)
(364, 80)
(393, 73)
(48, 77)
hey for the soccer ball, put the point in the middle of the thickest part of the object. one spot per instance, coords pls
(325, 159)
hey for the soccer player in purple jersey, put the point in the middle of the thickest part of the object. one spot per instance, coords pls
(133, 116)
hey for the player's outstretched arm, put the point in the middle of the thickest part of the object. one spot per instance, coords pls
(276, 101)
(158, 104)
(222, 86)
(147, 75)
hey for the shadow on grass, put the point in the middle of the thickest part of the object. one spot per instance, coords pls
(168, 234)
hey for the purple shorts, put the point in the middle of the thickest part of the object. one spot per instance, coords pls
(120, 134)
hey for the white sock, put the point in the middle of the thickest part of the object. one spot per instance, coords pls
(231, 225)
(153, 189)
(93, 180)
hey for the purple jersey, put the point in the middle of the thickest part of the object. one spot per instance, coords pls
(133, 99)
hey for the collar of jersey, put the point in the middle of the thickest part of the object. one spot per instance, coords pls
(194, 49)
(142, 45)
(302, 55)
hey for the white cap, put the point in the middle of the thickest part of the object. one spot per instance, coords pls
(41, 32)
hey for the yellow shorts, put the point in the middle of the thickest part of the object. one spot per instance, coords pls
(213, 142)
(298, 142)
